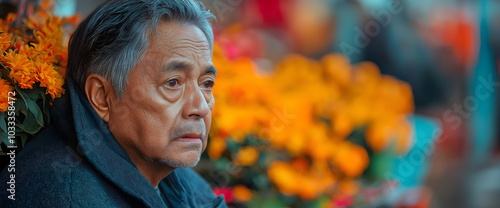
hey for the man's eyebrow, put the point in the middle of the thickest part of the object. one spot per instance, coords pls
(176, 66)
(210, 70)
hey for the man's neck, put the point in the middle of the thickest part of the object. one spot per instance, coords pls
(152, 170)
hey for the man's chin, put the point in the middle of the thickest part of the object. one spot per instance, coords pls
(180, 164)
(186, 162)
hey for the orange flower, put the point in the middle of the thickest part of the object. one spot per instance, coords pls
(50, 79)
(349, 187)
(351, 159)
(300, 178)
(46, 5)
(247, 156)
(5, 41)
(45, 50)
(296, 143)
(11, 17)
(4, 24)
(380, 134)
(73, 20)
(337, 69)
(28, 51)
(284, 177)
(242, 194)
(388, 131)
(305, 109)
(51, 28)
(309, 187)
(319, 145)
(5, 87)
(300, 164)
(405, 140)
(342, 124)
(216, 147)
(22, 70)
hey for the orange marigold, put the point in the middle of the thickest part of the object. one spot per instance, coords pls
(310, 188)
(351, 159)
(216, 147)
(50, 79)
(5, 87)
(281, 174)
(242, 194)
(46, 5)
(22, 70)
(4, 23)
(44, 50)
(5, 41)
(247, 156)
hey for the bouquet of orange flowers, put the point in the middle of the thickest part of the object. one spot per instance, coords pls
(305, 133)
(33, 57)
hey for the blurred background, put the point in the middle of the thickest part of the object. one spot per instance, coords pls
(351, 103)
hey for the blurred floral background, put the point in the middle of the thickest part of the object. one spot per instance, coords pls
(343, 103)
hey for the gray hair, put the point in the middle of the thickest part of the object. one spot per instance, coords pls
(114, 38)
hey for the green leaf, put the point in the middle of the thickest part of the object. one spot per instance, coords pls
(260, 181)
(20, 104)
(45, 107)
(32, 107)
(320, 201)
(380, 163)
(221, 164)
(37, 112)
(4, 138)
(233, 146)
(357, 136)
(270, 200)
(34, 94)
(30, 125)
(3, 124)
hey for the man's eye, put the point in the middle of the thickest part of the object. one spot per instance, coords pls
(174, 83)
(208, 85)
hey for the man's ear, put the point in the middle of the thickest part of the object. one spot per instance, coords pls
(100, 94)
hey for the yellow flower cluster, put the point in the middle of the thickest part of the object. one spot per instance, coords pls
(309, 109)
(298, 177)
(37, 57)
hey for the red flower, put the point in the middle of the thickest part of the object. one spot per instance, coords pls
(226, 191)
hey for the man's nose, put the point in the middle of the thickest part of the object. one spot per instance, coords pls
(196, 104)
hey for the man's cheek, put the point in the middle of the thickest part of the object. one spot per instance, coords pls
(208, 124)
(211, 104)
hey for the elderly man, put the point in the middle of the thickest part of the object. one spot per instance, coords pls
(135, 117)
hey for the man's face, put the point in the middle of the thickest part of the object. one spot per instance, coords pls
(165, 112)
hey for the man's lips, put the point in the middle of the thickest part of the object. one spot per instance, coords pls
(192, 138)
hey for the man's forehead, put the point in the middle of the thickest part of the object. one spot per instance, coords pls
(174, 39)
(178, 35)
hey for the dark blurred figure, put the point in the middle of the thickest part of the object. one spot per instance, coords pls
(399, 50)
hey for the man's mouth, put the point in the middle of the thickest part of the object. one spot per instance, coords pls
(190, 137)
